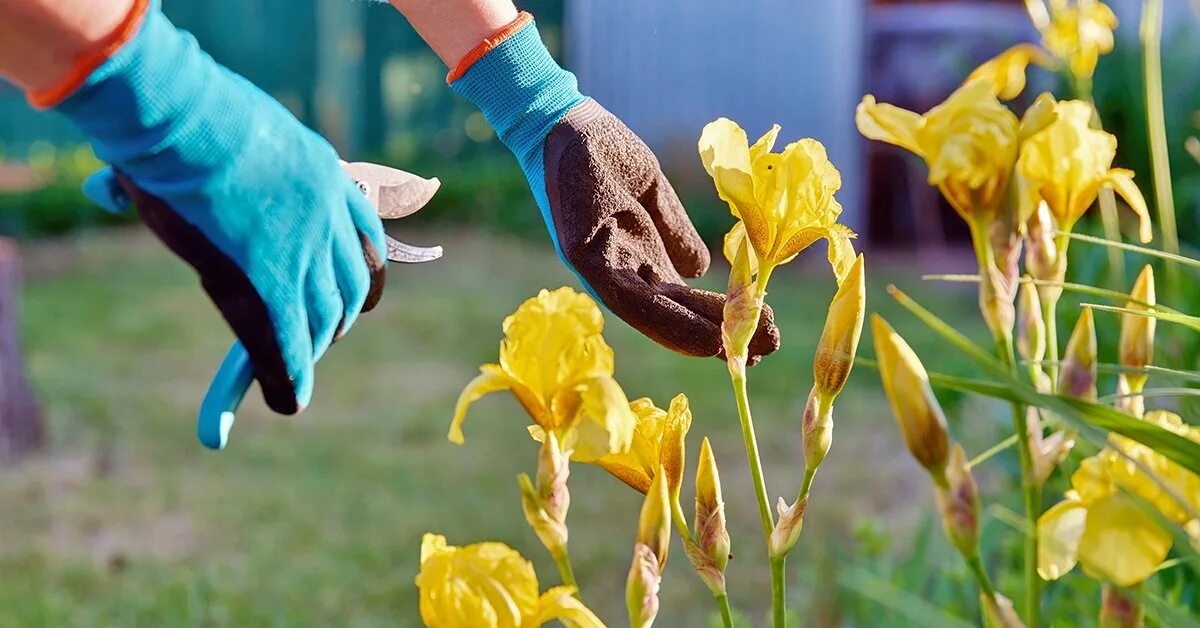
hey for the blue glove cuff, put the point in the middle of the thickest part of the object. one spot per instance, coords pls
(521, 91)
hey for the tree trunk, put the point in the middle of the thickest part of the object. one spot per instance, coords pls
(21, 429)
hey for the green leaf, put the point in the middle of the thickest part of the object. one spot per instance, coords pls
(1158, 312)
(1087, 416)
(1186, 261)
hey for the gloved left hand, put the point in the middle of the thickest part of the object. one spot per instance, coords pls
(613, 216)
(285, 244)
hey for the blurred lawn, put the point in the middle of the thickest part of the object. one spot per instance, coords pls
(317, 519)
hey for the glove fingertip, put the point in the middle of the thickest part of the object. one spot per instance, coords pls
(103, 189)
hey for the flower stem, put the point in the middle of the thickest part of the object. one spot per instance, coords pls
(738, 375)
(778, 593)
(1151, 33)
(563, 561)
(726, 614)
(981, 575)
(737, 372)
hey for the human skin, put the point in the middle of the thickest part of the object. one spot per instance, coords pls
(40, 40)
(452, 28)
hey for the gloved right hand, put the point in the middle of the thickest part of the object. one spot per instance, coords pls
(285, 244)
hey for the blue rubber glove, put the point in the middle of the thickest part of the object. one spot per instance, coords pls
(612, 214)
(285, 244)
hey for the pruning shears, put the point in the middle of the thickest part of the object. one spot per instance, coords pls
(394, 194)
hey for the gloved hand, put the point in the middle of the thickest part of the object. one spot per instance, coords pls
(613, 217)
(285, 244)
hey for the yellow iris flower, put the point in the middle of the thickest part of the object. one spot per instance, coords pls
(783, 201)
(1064, 162)
(1074, 33)
(658, 441)
(969, 142)
(554, 360)
(1103, 528)
(489, 585)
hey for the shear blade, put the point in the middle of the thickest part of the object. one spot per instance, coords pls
(409, 254)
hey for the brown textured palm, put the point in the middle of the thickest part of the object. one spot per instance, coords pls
(623, 228)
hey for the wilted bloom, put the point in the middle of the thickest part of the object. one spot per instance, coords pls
(998, 612)
(787, 527)
(839, 339)
(1047, 452)
(1078, 376)
(546, 504)
(649, 554)
(784, 201)
(491, 586)
(1119, 610)
(1102, 527)
(554, 360)
(1066, 162)
(958, 501)
(712, 537)
(916, 408)
(969, 143)
(1075, 33)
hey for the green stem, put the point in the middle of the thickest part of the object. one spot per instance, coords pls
(738, 375)
(981, 575)
(778, 593)
(563, 561)
(1151, 33)
(726, 614)
(1029, 488)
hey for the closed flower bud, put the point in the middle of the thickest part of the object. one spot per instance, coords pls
(552, 476)
(743, 306)
(996, 300)
(958, 502)
(1031, 327)
(787, 528)
(1078, 376)
(1118, 609)
(672, 451)
(654, 524)
(839, 339)
(550, 531)
(1137, 332)
(998, 612)
(1042, 258)
(711, 534)
(641, 587)
(916, 408)
(817, 428)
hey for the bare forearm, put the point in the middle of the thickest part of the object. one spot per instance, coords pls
(40, 40)
(452, 28)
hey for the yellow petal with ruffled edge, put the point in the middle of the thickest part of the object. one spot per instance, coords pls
(1121, 181)
(1041, 114)
(888, 123)
(1122, 543)
(560, 603)
(490, 379)
(1006, 71)
(1059, 529)
(606, 425)
(637, 466)
(485, 584)
(553, 341)
(726, 155)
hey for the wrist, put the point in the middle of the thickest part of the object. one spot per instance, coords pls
(517, 85)
(84, 40)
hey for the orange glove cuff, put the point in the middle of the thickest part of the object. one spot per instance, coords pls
(87, 62)
(489, 44)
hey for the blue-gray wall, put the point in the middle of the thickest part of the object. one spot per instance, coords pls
(668, 67)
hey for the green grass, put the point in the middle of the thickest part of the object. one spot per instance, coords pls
(317, 519)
